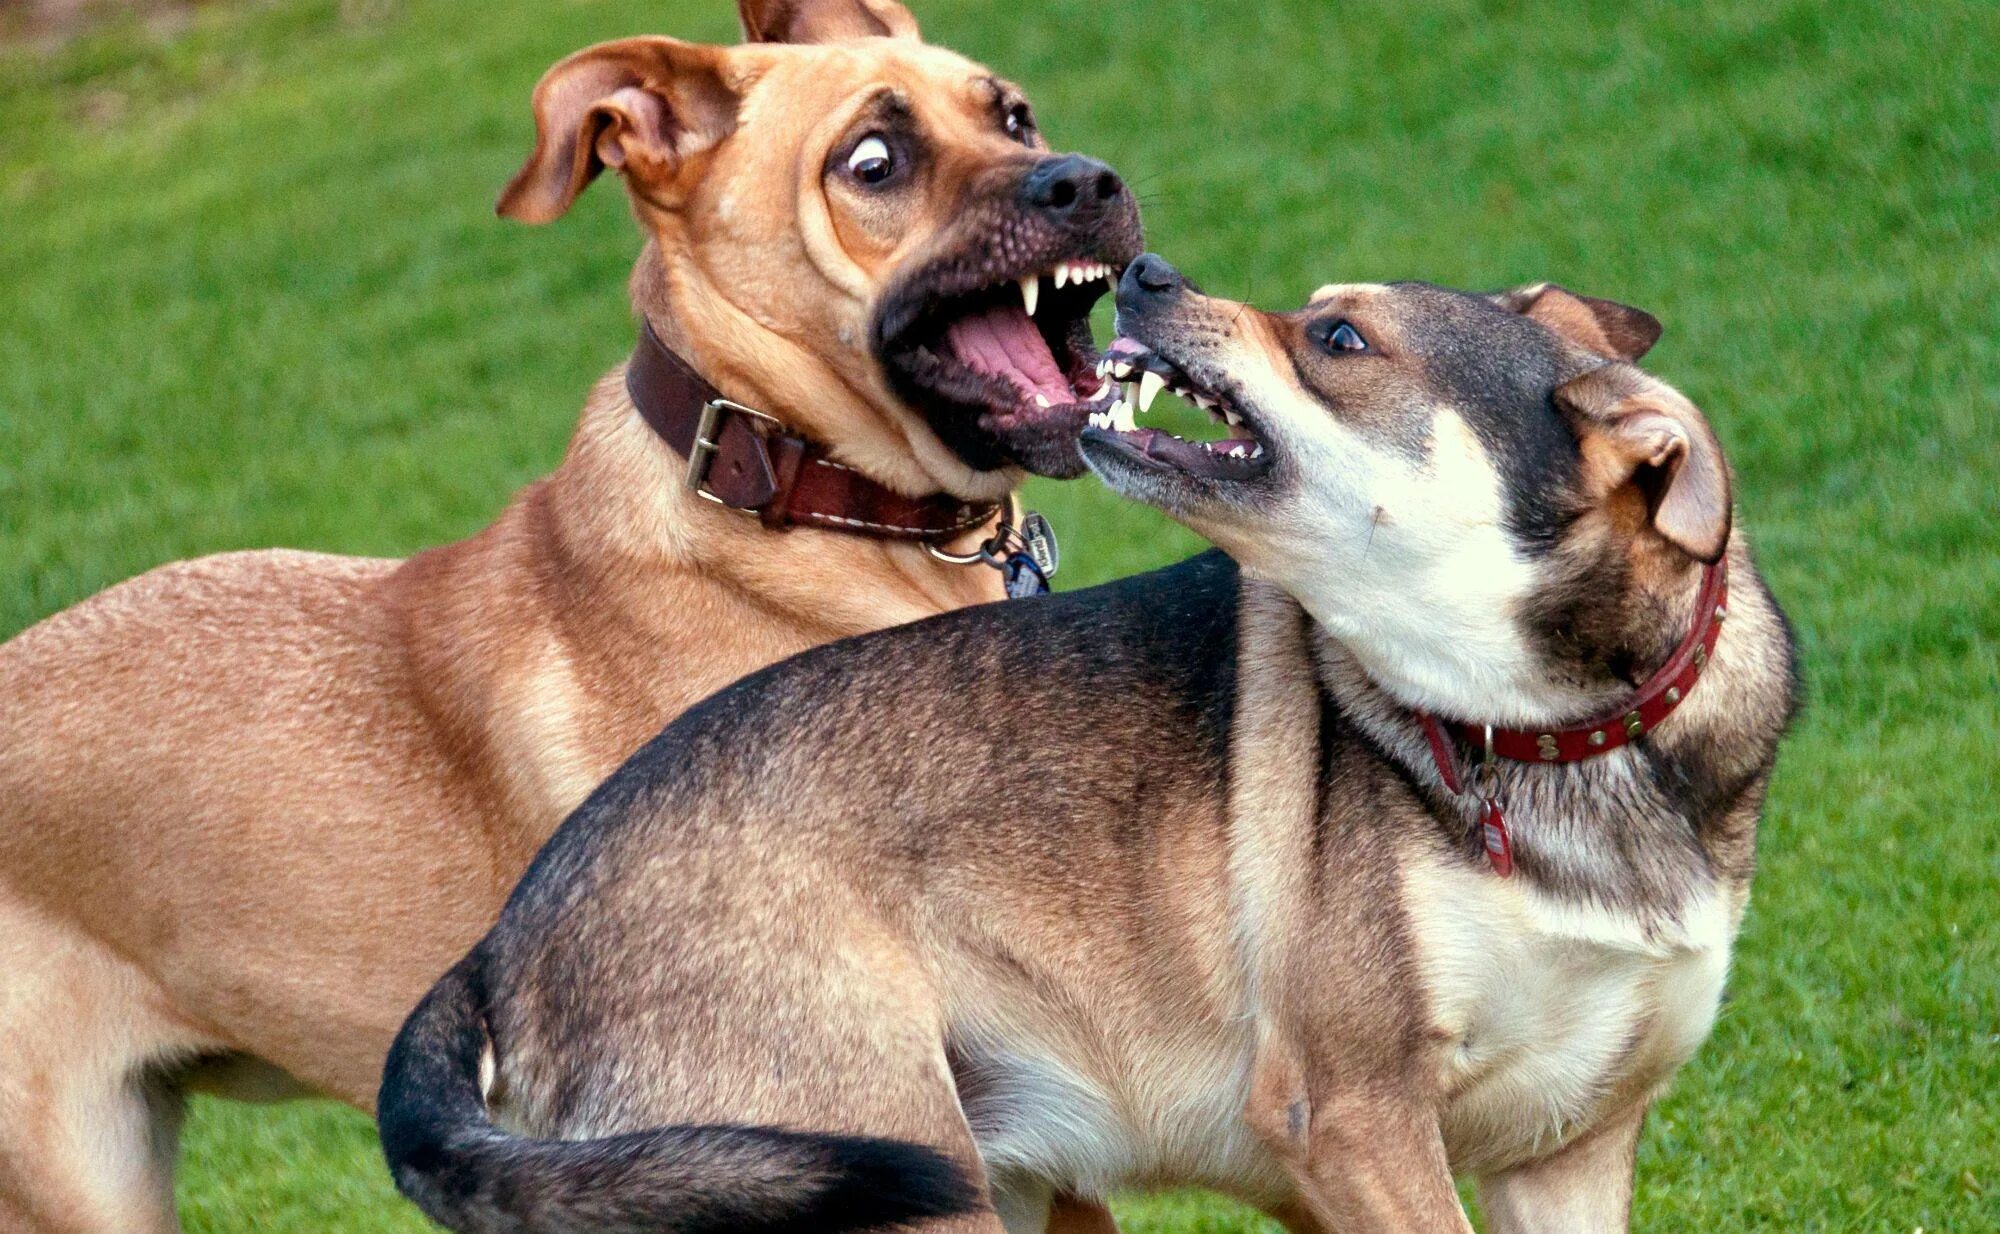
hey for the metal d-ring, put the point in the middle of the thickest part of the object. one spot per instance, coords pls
(992, 551)
(1486, 776)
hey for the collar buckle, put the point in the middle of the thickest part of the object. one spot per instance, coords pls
(708, 440)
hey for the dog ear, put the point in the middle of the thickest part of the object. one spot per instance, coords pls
(643, 105)
(1613, 330)
(1636, 429)
(824, 21)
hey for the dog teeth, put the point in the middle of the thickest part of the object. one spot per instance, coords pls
(1121, 416)
(1231, 418)
(1102, 390)
(1031, 292)
(1150, 385)
(1100, 419)
(1042, 400)
(1077, 273)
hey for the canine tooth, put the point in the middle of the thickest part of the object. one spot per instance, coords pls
(1231, 417)
(1150, 385)
(1131, 394)
(1102, 390)
(1031, 292)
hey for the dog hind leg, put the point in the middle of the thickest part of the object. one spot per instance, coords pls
(89, 1124)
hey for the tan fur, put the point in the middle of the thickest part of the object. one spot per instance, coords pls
(252, 805)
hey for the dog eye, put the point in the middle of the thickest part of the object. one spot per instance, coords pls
(1344, 337)
(871, 162)
(1020, 123)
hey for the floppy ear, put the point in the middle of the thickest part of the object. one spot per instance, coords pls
(644, 106)
(1612, 330)
(1638, 430)
(824, 21)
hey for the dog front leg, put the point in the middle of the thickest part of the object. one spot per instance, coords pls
(1072, 1214)
(1586, 1188)
(1363, 1159)
(1034, 1207)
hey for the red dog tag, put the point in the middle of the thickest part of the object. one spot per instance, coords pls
(1493, 830)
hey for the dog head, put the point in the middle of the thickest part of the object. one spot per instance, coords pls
(1480, 495)
(859, 232)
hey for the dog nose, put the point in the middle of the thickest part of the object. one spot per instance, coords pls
(1148, 276)
(1071, 186)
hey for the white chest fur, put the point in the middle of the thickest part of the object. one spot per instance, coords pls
(1553, 1013)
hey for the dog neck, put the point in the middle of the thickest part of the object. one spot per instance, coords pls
(752, 462)
(618, 515)
(621, 511)
(1644, 827)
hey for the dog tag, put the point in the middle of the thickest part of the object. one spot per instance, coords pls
(1040, 539)
(1493, 833)
(1023, 577)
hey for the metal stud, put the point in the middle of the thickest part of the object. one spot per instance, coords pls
(1700, 657)
(1634, 725)
(1673, 694)
(1545, 745)
(1721, 611)
(1597, 737)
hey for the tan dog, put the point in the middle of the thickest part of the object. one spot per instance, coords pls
(252, 805)
(811, 959)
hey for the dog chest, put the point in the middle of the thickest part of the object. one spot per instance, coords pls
(1551, 1013)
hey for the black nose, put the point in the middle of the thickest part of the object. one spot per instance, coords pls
(1072, 187)
(1150, 275)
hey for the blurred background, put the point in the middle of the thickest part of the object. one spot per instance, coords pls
(252, 293)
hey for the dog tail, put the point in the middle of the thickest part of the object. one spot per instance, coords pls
(448, 1157)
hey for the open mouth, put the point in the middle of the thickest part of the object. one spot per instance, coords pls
(1234, 452)
(1006, 367)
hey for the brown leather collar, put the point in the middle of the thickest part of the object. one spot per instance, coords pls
(749, 461)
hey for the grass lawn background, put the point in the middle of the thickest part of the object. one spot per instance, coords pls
(252, 293)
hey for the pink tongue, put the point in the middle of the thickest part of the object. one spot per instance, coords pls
(1003, 342)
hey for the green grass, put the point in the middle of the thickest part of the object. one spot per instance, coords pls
(252, 293)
